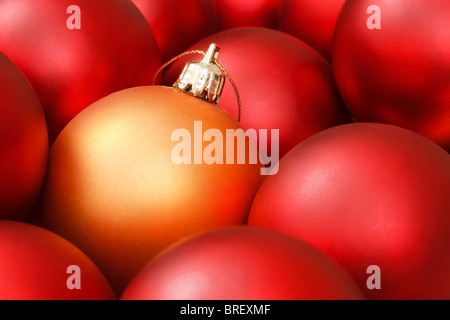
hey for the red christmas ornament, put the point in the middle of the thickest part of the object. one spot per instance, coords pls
(283, 83)
(23, 143)
(126, 182)
(36, 264)
(391, 60)
(311, 21)
(370, 196)
(178, 24)
(75, 53)
(242, 263)
(249, 13)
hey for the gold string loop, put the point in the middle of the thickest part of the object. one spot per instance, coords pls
(222, 69)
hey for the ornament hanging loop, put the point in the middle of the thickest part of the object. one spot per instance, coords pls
(204, 78)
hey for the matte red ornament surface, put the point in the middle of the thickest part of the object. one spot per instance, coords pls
(249, 13)
(34, 264)
(311, 21)
(398, 74)
(23, 143)
(178, 24)
(242, 263)
(71, 68)
(283, 83)
(368, 194)
(114, 190)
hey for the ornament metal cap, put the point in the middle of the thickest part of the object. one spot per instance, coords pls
(203, 78)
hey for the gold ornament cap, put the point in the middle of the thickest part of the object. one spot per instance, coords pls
(203, 78)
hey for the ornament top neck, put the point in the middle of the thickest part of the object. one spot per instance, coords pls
(203, 78)
(212, 54)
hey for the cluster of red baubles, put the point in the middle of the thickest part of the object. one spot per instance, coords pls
(359, 207)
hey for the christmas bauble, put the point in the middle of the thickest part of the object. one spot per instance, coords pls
(178, 24)
(250, 13)
(376, 199)
(23, 143)
(36, 264)
(141, 169)
(391, 62)
(285, 86)
(242, 263)
(75, 53)
(311, 21)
